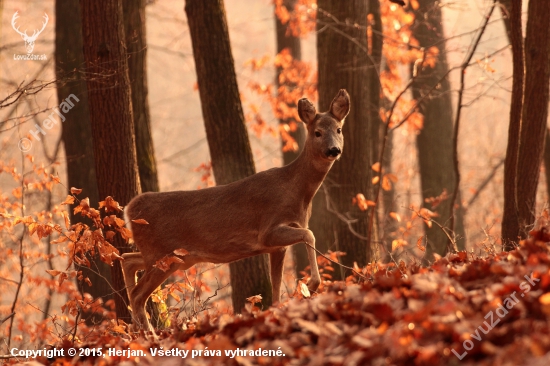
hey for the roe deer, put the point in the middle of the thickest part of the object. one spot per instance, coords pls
(263, 213)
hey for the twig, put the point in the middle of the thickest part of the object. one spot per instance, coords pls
(485, 182)
(463, 68)
(451, 239)
(21, 262)
(6, 318)
(418, 64)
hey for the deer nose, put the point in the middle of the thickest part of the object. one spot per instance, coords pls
(333, 151)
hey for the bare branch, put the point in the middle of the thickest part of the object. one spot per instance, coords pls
(463, 68)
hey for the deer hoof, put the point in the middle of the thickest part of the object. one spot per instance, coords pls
(313, 285)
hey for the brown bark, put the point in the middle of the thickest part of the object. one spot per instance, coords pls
(510, 219)
(434, 142)
(111, 116)
(136, 48)
(285, 40)
(76, 131)
(345, 63)
(534, 111)
(225, 128)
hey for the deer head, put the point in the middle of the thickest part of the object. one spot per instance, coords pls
(325, 139)
(29, 40)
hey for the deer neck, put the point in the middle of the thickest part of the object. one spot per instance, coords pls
(310, 171)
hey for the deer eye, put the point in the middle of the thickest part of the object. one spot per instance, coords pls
(317, 133)
(339, 130)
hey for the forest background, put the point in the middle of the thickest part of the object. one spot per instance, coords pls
(38, 176)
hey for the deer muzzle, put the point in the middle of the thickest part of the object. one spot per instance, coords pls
(333, 152)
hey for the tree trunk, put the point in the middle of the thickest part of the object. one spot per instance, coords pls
(111, 117)
(225, 128)
(510, 219)
(374, 60)
(534, 111)
(344, 62)
(76, 132)
(136, 48)
(285, 40)
(434, 142)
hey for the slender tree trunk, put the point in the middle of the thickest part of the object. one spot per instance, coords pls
(76, 131)
(111, 116)
(225, 128)
(510, 218)
(344, 62)
(434, 142)
(534, 111)
(285, 40)
(136, 48)
(374, 60)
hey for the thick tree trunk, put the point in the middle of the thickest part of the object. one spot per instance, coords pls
(510, 219)
(225, 128)
(534, 111)
(76, 132)
(111, 116)
(136, 48)
(344, 63)
(434, 142)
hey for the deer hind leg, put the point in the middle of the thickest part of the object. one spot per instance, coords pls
(276, 260)
(284, 235)
(152, 279)
(132, 263)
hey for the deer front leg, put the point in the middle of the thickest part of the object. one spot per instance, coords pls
(284, 236)
(276, 260)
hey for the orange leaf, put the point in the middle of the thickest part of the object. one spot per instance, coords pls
(419, 244)
(254, 299)
(110, 234)
(140, 221)
(376, 167)
(55, 179)
(61, 239)
(75, 190)
(53, 272)
(395, 216)
(386, 184)
(398, 243)
(376, 179)
(68, 201)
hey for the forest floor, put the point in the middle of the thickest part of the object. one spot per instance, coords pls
(464, 309)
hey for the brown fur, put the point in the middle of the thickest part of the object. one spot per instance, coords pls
(263, 213)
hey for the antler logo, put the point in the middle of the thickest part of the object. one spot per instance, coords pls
(29, 40)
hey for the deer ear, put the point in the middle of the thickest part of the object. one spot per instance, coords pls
(340, 105)
(306, 110)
